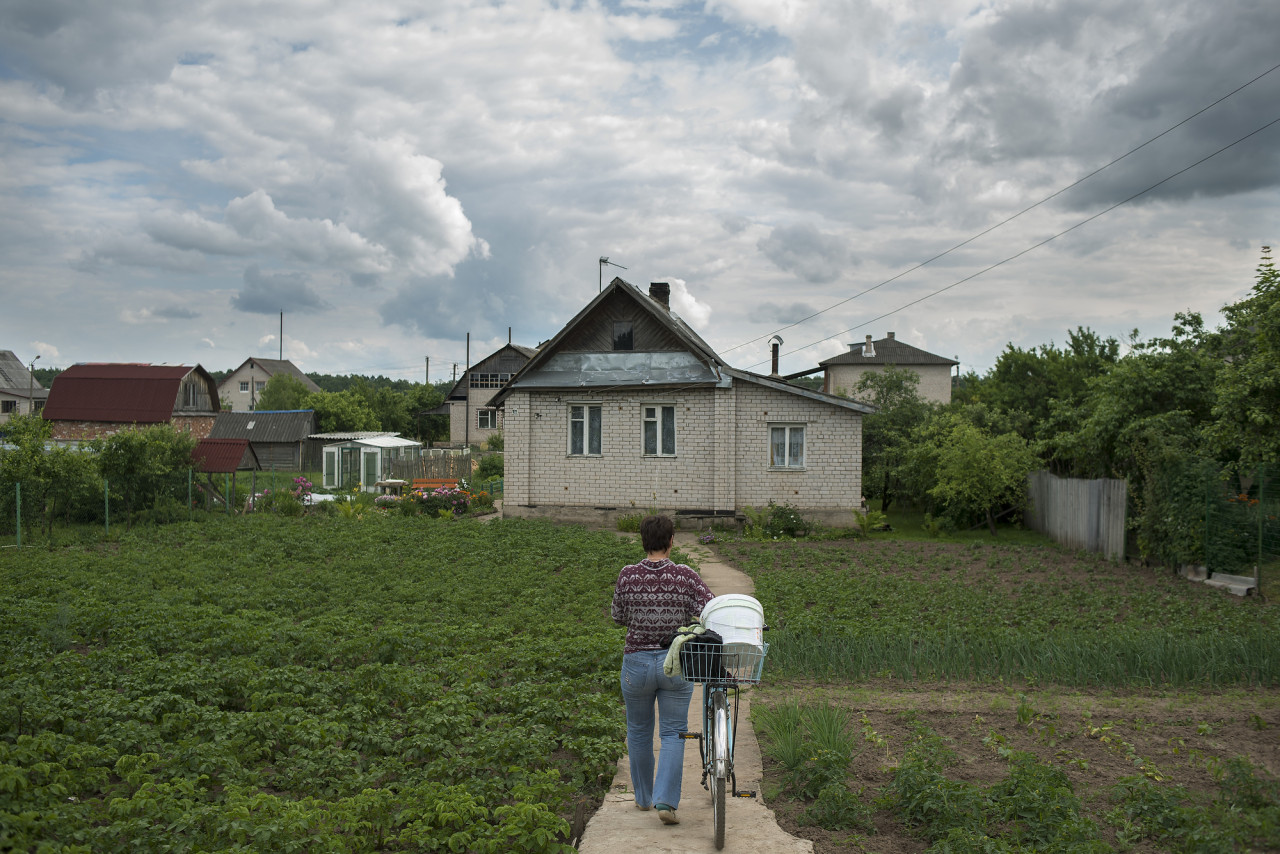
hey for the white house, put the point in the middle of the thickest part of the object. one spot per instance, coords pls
(243, 386)
(843, 372)
(20, 393)
(628, 409)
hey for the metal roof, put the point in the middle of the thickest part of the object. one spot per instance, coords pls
(888, 351)
(265, 425)
(384, 442)
(570, 370)
(130, 393)
(350, 435)
(223, 456)
(15, 377)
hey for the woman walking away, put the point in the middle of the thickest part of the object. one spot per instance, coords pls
(654, 598)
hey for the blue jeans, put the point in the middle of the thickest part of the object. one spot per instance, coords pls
(643, 684)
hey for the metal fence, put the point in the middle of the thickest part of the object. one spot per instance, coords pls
(1081, 514)
(1242, 525)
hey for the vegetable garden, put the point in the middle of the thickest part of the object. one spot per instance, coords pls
(990, 698)
(309, 684)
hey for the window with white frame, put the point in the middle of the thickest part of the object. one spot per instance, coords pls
(786, 446)
(584, 430)
(244, 386)
(659, 430)
(487, 419)
(259, 385)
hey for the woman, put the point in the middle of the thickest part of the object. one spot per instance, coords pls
(654, 598)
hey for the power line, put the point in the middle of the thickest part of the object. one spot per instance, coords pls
(1010, 219)
(1035, 246)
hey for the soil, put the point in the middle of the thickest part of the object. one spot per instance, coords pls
(1181, 734)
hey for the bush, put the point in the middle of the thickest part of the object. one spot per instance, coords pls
(630, 522)
(494, 442)
(491, 465)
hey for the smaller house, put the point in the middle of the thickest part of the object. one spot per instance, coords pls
(279, 439)
(20, 393)
(842, 373)
(366, 461)
(92, 400)
(244, 385)
(472, 416)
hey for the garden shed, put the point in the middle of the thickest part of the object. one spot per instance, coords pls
(366, 461)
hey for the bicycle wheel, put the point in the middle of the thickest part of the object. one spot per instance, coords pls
(721, 763)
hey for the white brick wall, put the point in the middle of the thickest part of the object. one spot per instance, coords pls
(721, 460)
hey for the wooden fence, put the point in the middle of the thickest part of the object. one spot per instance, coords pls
(1080, 514)
(434, 463)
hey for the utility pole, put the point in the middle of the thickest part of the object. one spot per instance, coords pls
(31, 386)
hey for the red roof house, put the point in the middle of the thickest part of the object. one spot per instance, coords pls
(91, 400)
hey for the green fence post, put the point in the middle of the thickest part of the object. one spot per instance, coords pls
(1208, 501)
(189, 495)
(226, 483)
(106, 505)
(1262, 514)
(18, 494)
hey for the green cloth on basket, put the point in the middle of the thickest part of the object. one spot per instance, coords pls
(684, 634)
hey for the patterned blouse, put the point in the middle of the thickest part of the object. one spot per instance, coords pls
(654, 598)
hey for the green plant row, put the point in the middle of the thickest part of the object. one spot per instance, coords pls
(923, 611)
(308, 684)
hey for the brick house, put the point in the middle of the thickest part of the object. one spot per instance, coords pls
(627, 409)
(472, 419)
(92, 400)
(842, 373)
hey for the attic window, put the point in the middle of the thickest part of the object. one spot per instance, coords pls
(622, 339)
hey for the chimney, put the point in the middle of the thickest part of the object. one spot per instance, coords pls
(774, 343)
(661, 291)
(890, 336)
(868, 349)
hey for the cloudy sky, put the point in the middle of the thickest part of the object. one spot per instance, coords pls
(394, 175)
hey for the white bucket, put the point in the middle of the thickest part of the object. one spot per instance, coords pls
(737, 618)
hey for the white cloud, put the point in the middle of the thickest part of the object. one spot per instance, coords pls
(46, 351)
(695, 312)
(398, 179)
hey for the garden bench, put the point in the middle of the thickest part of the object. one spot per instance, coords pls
(429, 483)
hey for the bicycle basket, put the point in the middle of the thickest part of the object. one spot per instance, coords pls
(705, 661)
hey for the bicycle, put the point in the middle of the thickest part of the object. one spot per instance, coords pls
(721, 670)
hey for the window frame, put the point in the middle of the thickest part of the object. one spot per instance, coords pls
(624, 333)
(492, 419)
(585, 421)
(244, 386)
(660, 429)
(8, 407)
(787, 427)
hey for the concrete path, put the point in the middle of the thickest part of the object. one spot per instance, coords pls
(749, 825)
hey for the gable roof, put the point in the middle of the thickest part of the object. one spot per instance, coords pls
(271, 367)
(15, 377)
(888, 351)
(223, 456)
(458, 392)
(265, 425)
(129, 393)
(699, 365)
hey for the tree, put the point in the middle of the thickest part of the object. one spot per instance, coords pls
(979, 472)
(341, 411)
(887, 431)
(283, 392)
(1246, 412)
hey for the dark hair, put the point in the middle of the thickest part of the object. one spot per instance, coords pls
(656, 532)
